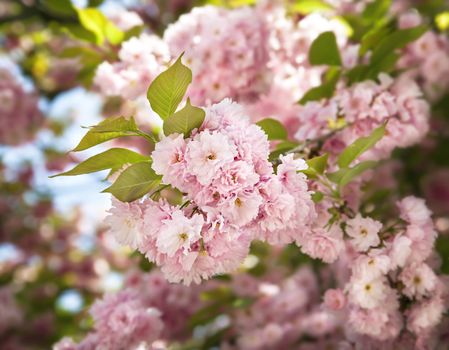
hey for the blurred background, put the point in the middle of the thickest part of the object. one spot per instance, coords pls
(55, 257)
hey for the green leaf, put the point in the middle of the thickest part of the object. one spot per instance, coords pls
(305, 7)
(442, 21)
(59, 7)
(273, 128)
(355, 171)
(168, 89)
(79, 32)
(344, 176)
(102, 28)
(317, 165)
(325, 90)
(358, 147)
(397, 40)
(92, 20)
(372, 38)
(108, 129)
(385, 55)
(184, 121)
(282, 148)
(110, 159)
(134, 182)
(317, 196)
(375, 11)
(324, 50)
(113, 34)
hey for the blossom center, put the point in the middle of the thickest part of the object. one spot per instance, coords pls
(183, 236)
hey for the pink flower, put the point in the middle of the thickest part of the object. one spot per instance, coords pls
(125, 221)
(334, 299)
(20, 116)
(324, 245)
(368, 293)
(242, 207)
(364, 232)
(168, 158)
(179, 233)
(371, 266)
(419, 280)
(425, 315)
(206, 153)
(123, 321)
(400, 251)
(369, 322)
(414, 211)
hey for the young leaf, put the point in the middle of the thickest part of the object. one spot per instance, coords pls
(318, 163)
(273, 128)
(324, 50)
(305, 7)
(110, 159)
(167, 90)
(344, 176)
(375, 11)
(358, 147)
(108, 129)
(325, 90)
(93, 21)
(397, 40)
(97, 23)
(356, 171)
(134, 182)
(281, 148)
(185, 120)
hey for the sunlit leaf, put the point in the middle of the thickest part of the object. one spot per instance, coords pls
(168, 89)
(134, 182)
(324, 50)
(108, 129)
(358, 147)
(185, 120)
(273, 128)
(113, 158)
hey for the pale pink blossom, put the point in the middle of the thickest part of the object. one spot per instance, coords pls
(323, 244)
(179, 233)
(425, 315)
(334, 299)
(414, 211)
(125, 222)
(206, 153)
(364, 232)
(368, 293)
(419, 280)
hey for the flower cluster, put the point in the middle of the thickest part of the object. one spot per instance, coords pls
(19, 111)
(389, 270)
(226, 50)
(141, 60)
(232, 196)
(429, 58)
(363, 107)
(146, 310)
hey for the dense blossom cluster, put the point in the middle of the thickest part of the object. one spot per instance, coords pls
(141, 60)
(389, 266)
(256, 56)
(303, 231)
(226, 50)
(363, 107)
(232, 193)
(429, 58)
(20, 116)
(148, 310)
